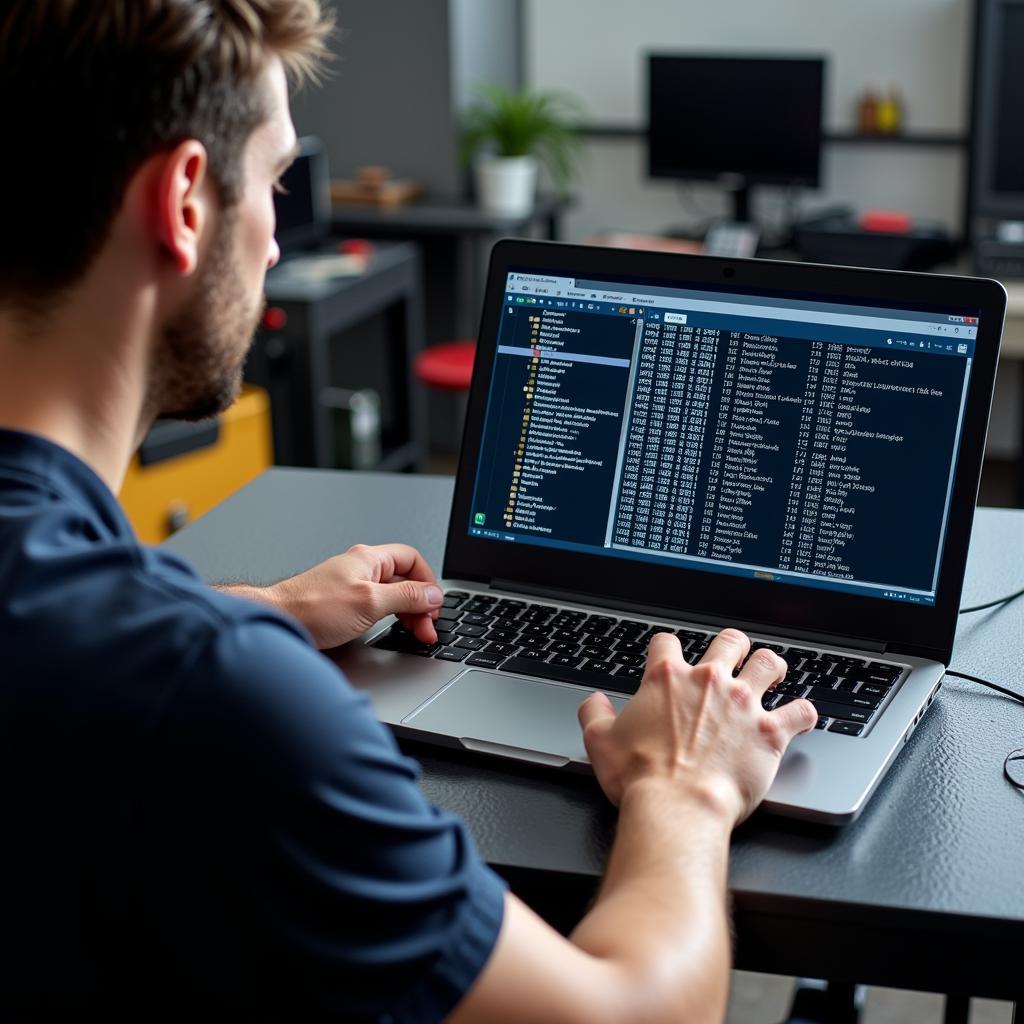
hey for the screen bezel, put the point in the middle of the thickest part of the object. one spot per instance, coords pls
(924, 630)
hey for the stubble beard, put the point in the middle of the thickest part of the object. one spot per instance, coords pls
(197, 369)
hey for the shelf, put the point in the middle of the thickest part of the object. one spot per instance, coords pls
(611, 131)
(940, 140)
(937, 140)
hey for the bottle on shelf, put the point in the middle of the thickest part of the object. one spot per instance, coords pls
(889, 113)
(867, 112)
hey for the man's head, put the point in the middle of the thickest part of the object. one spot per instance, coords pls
(181, 103)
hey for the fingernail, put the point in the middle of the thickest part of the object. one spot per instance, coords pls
(434, 595)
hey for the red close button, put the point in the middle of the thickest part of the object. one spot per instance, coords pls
(274, 318)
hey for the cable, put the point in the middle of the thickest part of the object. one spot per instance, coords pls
(985, 682)
(1013, 763)
(992, 604)
(1013, 768)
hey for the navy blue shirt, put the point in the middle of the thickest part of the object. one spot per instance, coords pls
(199, 812)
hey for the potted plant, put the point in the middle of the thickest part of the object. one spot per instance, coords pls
(509, 135)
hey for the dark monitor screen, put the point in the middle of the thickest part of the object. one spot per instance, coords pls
(755, 118)
(302, 206)
(997, 143)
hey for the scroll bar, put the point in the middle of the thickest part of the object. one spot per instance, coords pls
(624, 431)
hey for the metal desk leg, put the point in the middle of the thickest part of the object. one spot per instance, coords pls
(825, 1003)
(958, 1010)
(404, 320)
(468, 287)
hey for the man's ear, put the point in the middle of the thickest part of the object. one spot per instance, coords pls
(182, 203)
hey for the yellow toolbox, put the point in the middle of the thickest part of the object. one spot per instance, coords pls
(183, 469)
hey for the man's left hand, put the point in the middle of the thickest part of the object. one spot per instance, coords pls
(343, 597)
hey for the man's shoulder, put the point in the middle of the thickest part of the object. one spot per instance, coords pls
(123, 647)
(82, 599)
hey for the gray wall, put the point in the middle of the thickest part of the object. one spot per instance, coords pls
(389, 99)
(485, 45)
(404, 69)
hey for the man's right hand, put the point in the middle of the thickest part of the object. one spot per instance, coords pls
(690, 755)
(698, 727)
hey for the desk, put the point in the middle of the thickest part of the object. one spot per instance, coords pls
(294, 361)
(455, 239)
(924, 891)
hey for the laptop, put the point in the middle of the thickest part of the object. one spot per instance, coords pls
(657, 442)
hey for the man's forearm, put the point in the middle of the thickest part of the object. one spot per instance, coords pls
(661, 914)
(267, 595)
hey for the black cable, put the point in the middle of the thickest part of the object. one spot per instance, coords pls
(1013, 768)
(1013, 763)
(985, 682)
(992, 604)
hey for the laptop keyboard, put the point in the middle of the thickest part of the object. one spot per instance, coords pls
(608, 653)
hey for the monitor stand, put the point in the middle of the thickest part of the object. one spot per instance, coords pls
(737, 187)
(737, 190)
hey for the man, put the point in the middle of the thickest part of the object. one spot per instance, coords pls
(199, 812)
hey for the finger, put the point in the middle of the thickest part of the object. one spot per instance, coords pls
(665, 645)
(764, 668)
(664, 654)
(434, 613)
(730, 647)
(421, 626)
(400, 561)
(794, 718)
(597, 716)
(405, 597)
(596, 708)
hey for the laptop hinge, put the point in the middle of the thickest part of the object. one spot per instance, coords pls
(652, 612)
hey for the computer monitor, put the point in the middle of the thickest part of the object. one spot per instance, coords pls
(302, 207)
(740, 121)
(997, 171)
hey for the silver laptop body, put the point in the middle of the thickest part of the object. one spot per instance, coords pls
(582, 347)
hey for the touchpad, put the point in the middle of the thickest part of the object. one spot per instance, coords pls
(510, 716)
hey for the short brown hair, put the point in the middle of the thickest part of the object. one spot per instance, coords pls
(90, 89)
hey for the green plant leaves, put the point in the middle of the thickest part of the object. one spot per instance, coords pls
(525, 123)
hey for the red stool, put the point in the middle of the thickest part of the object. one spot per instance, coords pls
(448, 367)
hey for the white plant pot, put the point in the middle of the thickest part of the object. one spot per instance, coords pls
(506, 184)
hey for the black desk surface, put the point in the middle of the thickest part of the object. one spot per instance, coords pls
(925, 890)
(284, 284)
(428, 217)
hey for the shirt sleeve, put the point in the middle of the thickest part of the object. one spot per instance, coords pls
(283, 856)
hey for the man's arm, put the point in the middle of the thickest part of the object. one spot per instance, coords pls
(690, 756)
(341, 598)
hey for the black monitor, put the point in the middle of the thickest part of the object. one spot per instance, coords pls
(740, 121)
(303, 205)
(997, 172)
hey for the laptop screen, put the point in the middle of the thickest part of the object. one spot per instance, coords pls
(800, 441)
